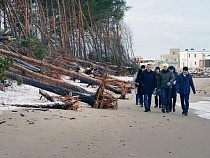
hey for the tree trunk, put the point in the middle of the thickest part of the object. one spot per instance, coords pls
(84, 97)
(49, 80)
(81, 77)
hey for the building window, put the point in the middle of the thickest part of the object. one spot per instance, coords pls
(195, 55)
(195, 62)
(189, 55)
(166, 60)
(174, 59)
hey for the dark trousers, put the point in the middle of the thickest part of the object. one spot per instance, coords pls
(173, 99)
(185, 102)
(139, 99)
(158, 100)
(147, 101)
(165, 98)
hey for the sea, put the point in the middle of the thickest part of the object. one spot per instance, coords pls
(202, 108)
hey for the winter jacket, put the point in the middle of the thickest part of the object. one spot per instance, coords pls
(165, 77)
(138, 81)
(184, 82)
(134, 83)
(158, 92)
(175, 80)
(148, 82)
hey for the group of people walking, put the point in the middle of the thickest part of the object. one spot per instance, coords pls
(164, 84)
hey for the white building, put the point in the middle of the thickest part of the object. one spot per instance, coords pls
(192, 58)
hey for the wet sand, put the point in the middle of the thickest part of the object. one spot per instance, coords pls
(128, 132)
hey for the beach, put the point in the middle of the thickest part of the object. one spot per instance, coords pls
(128, 132)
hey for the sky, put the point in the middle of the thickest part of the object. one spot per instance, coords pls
(159, 25)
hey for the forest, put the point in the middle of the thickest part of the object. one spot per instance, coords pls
(49, 30)
(43, 40)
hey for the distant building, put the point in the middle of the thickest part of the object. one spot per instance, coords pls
(193, 59)
(207, 61)
(144, 61)
(172, 58)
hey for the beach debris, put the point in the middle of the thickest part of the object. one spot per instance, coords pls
(1, 122)
(70, 102)
(22, 115)
(49, 76)
(105, 100)
(72, 118)
(45, 95)
(201, 90)
(40, 109)
(14, 111)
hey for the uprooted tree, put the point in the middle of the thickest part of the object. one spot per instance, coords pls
(53, 38)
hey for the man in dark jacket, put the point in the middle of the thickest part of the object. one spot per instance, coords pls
(139, 91)
(184, 82)
(148, 82)
(158, 91)
(173, 90)
(166, 81)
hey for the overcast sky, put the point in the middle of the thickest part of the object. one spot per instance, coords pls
(158, 25)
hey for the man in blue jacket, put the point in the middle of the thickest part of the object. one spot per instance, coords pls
(184, 82)
(149, 83)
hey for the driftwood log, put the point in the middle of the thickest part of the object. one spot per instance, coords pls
(48, 106)
(45, 95)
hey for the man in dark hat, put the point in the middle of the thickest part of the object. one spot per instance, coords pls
(173, 90)
(138, 86)
(158, 91)
(141, 96)
(183, 84)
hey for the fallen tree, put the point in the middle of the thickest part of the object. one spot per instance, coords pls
(84, 97)
(49, 80)
(82, 77)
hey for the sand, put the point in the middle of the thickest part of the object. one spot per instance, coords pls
(128, 132)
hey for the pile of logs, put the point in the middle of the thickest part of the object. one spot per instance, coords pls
(31, 71)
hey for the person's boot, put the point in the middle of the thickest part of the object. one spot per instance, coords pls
(155, 106)
(167, 109)
(146, 110)
(163, 109)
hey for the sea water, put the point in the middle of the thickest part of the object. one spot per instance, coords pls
(202, 108)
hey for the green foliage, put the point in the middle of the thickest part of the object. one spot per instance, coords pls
(34, 44)
(5, 63)
(19, 81)
(101, 10)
